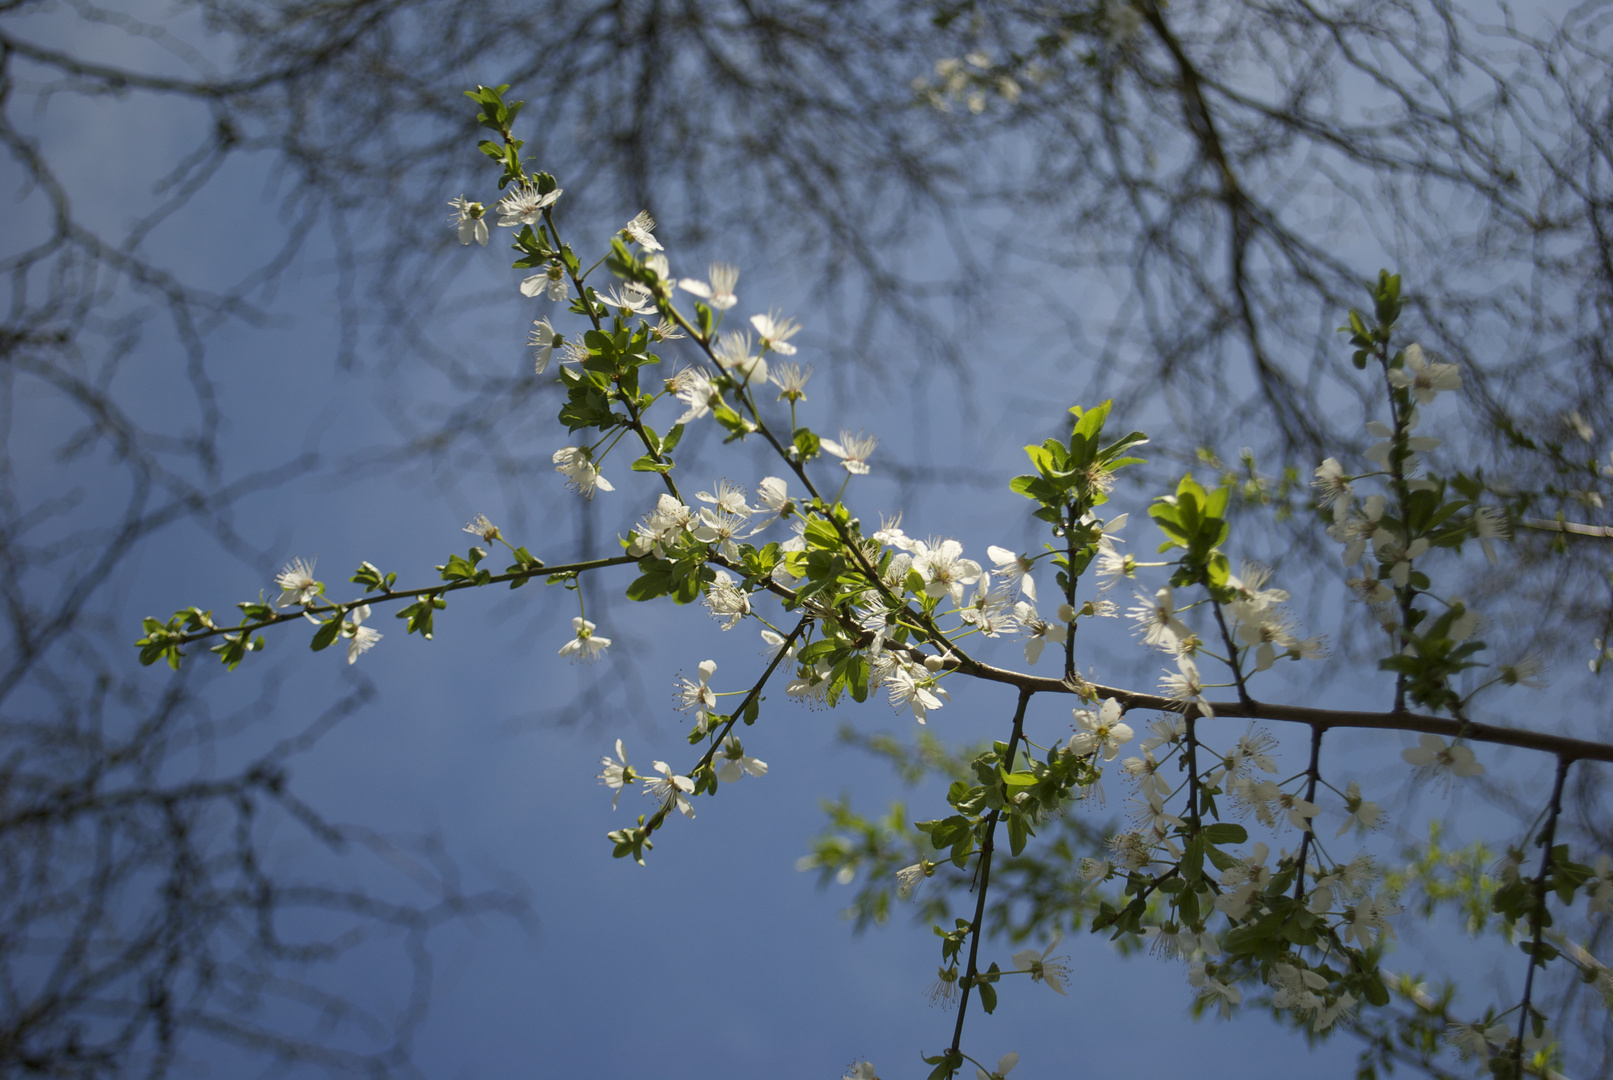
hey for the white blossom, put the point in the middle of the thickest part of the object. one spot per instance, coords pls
(524, 206)
(617, 774)
(944, 569)
(468, 220)
(1225, 996)
(852, 450)
(1423, 378)
(1378, 453)
(775, 332)
(1012, 567)
(1184, 686)
(990, 610)
(774, 502)
(1101, 731)
(1363, 815)
(916, 690)
(1489, 525)
(890, 533)
(732, 352)
(1433, 757)
(724, 600)
(791, 380)
(660, 527)
(1333, 487)
(1052, 971)
(1475, 1039)
(909, 878)
(1166, 730)
(577, 464)
(671, 789)
(1110, 565)
(1253, 747)
(1130, 850)
(1145, 770)
(1155, 619)
(720, 292)
(586, 646)
(729, 498)
(1004, 1065)
(297, 584)
(480, 526)
(1241, 881)
(551, 282)
(699, 696)
(638, 231)
(542, 341)
(773, 642)
(1369, 589)
(360, 638)
(631, 299)
(1038, 631)
(944, 990)
(735, 762)
(1369, 921)
(723, 530)
(695, 389)
(810, 685)
(1354, 531)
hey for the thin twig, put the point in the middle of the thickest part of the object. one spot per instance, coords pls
(986, 847)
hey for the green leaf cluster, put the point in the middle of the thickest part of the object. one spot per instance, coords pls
(497, 114)
(466, 568)
(1079, 471)
(1195, 520)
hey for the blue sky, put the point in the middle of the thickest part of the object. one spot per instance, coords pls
(719, 958)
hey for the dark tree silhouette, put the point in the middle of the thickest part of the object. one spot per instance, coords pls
(1209, 184)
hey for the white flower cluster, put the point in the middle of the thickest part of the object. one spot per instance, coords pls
(1339, 891)
(723, 522)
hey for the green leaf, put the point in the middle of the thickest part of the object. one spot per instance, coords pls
(649, 586)
(420, 615)
(1019, 832)
(458, 568)
(1225, 832)
(820, 534)
(857, 678)
(1111, 455)
(947, 831)
(367, 575)
(632, 842)
(327, 632)
(1192, 864)
(1089, 422)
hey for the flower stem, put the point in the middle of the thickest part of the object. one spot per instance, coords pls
(984, 867)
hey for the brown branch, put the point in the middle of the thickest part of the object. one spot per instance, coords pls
(1561, 745)
(1537, 914)
(984, 866)
(1601, 532)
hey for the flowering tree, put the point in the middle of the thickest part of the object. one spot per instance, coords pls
(848, 610)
